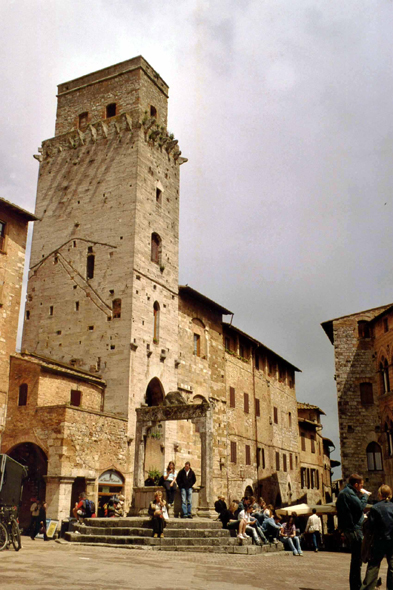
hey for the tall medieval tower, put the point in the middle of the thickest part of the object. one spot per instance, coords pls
(103, 286)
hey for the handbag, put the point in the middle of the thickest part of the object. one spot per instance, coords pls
(165, 514)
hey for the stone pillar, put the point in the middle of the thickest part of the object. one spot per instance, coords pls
(139, 453)
(206, 499)
(58, 496)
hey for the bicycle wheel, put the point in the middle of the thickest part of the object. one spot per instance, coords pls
(3, 537)
(15, 535)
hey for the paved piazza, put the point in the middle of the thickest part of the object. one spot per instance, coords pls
(52, 565)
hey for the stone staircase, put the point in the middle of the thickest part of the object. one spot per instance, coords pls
(199, 535)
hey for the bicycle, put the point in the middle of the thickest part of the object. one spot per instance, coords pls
(9, 529)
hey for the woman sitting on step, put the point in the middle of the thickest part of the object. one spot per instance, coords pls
(159, 514)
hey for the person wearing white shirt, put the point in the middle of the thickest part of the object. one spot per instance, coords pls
(314, 526)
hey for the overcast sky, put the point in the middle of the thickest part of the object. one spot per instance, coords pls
(284, 110)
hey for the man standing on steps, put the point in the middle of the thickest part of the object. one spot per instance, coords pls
(350, 505)
(185, 480)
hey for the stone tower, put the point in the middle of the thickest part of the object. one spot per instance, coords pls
(103, 286)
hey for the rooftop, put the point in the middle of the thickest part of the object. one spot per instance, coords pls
(305, 406)
(374, 312)
(22, 212)
(57, 367)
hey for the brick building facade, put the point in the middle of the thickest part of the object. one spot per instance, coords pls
(104, 307)
(13, 235)
(363, 347)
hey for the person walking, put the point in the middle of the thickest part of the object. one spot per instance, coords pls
(185, 480)
(350, 505)
(314, 527)
(380, 524)
(35, 513)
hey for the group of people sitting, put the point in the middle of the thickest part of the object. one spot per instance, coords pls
(258, 520)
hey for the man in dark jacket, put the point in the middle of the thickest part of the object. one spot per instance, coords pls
(350, 505)
(185, 480)
(380, 524)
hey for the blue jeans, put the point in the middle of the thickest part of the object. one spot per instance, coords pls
(294, 544)
(186, 501)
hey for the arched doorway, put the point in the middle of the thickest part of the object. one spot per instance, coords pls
(110, 483)
(155, 435)
(34, 458)
(154, 393)
(78, 486)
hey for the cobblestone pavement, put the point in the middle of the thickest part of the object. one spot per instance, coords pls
(44, 566)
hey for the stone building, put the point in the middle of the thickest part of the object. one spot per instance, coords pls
(122, 369)
(315, 464)
(13, 234)
(363, 347)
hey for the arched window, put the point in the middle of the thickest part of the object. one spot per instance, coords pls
(199, 340)
(111, 110)
(384, 372)
(153, 111)
(83, 118)
(22, 400)
(389, 438)
(116, 308)
(155, 248)
(374, 457)
(156, 314)
(366, 394)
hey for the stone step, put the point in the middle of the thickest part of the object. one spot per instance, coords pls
(135, 522)
(229, 549)
(166, 541)
(147, 532)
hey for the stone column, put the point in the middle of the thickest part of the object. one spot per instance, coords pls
(206, 499)
(58, 496)
(139, 453)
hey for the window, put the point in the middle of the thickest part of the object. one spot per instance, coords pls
(284, 462)
(275, 415)
(51, 310)
(27, 314)
(364, 329)
(75, 397)
(259, 457)
(111, 110)
(384, 372)
(22, 400)
(374, 457)
(153, 111)
(312, 478)
(277, 461)
(90, 266)
(83, 118)
(289, 419)
(385, 325)
(3, 226)
(233, 452)
(248, 455)
(199, 339)
(158, 196)
(227, 343)
(156, 327)
(303, 439)
(197, 345)
(76, 305)
(257, 407)
(317, 479)
(257, 361)
(389, 438)
(263, 459)
(308, 478)
(232, 398)
(303, 477)
(313, 444)
(290, 461)
(155, 248)
(246, 403)
(366, 394)
(116, 308)
(241, 350)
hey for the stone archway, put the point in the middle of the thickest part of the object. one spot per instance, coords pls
(154, 393)
(201, 415)
(155, 434)
(33, 457)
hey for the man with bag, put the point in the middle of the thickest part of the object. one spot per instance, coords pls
(350, 505)
(314, 527)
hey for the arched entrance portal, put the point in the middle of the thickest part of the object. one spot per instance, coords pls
(34, 458)
(155, 435)
(110, 483)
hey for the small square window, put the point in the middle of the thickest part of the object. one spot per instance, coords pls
(75, 397)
